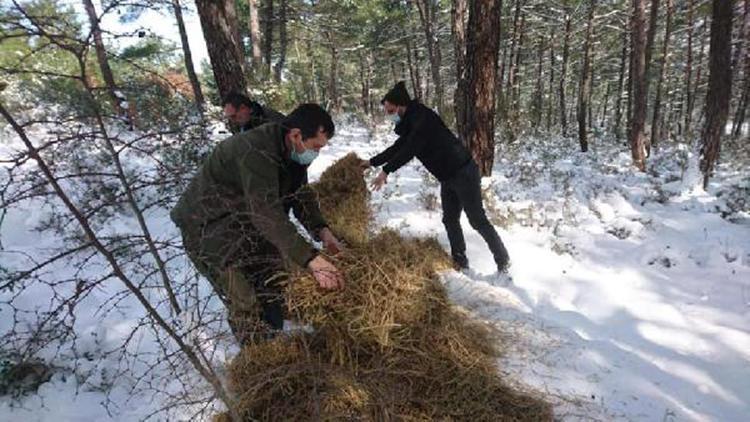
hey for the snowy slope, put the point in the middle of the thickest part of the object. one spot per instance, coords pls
(631, 295)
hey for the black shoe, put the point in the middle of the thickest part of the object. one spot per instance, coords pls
(460, 261)
(503, 266)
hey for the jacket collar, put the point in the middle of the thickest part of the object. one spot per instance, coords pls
(404, 125)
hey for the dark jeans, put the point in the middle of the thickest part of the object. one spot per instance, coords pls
(463, 192)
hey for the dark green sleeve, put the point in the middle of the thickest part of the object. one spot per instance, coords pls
(259, 174)
(307, 209)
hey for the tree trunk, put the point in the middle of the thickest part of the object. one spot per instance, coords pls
(537, 103)
(551, 94)
(584, 91)
(656, 124)
(513, 47)
(458, 30)
(620, 81)
(481, 73)
(564, 74)
(333, 91)
(515, 88)
(314, 90)
(282, 41)
(268, 35)
(640, 92)
(253, 25)
(101, 56)
(219, 22)
(413, 63)
(428, 16)
(365, 82)
(739, 116)
(719, 85)
(651, 35)
(699, 74)
(194, 83)
(607, 92)
(689, 67)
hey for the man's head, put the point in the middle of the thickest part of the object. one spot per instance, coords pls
(238, 108)
(395, 101)
(308, 129)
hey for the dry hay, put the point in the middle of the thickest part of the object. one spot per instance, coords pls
(390, 290)
(389, 346)
(344, 199)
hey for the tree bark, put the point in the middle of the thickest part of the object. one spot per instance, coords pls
(101, 57)
(188, 56)
(282, 41)
(458, 30)
(607, 92)
(428, 16)
(656, 124)
(740, 114)
(481, 73)
(719, 85)
(515, 87)
(564, 74)
(584, 91)
(698, 75)
(537, 103)
(413, 63)
(551, 94)
(219, 22)
(333, 97)
(651, 35)
(689, 67)
(268, 35)
(513, 47)
(620, 81)
(253, 25)
(640, 92)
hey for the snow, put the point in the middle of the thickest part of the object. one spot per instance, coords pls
(630, 292)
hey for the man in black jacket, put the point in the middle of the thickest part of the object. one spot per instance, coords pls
(245, 114)
(423, 134)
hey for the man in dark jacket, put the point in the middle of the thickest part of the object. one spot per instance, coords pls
(422, 134)
(234, 218)
(245, 114)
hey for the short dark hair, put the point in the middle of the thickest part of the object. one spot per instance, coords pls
(236, 100)
(309, 119)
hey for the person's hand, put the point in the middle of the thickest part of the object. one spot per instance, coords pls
(326, 274)
(364, 165)
(332, 245)
(379, 181)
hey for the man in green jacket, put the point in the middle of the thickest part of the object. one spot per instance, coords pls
(244, 114)
(234, 218)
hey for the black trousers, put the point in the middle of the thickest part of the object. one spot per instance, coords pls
(463, 192)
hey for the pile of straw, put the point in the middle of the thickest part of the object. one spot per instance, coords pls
(389, 346)
(345, 200)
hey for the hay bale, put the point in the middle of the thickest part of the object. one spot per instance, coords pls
(345, 199)
(390, 346)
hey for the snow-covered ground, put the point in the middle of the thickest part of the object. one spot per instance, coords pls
(630, 294)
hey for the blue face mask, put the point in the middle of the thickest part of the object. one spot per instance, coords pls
(305, 158)
(395, 118)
